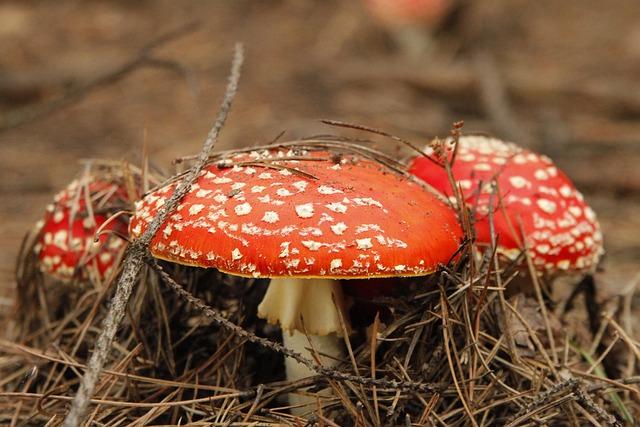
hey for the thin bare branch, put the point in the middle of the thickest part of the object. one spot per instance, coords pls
(133, 261)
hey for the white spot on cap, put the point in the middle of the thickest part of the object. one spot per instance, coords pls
(237, 185)
(265, 175)
(137, 229)
(482, 167)
(293, 263)
(105, 257)
(314, 231)
(325, 189)
(195, 209)
(202, 193)
(518, 181)
(285, 249)
(325, 217)
(270, 217)
(367, 227)
(589, 214)
(336, 263)
(167, 230)
(541, 174)
(400, 267)
(285, 172)
(311, 245)
(300, 185)
(565, 190)
(519, 159)
(58, 216)
(364, 243)
(337, 207)
(499, 160)
(60, 238)
(366, 201)
(222, 180)
(543, 248)
(563, 264)
(257, 189)
(588, 241)
(546, 205)
(242, 209)
(87, 222)
(467, 157)
(305, 211)
(465, 184)
(576, 211)
(220, 198)
(283, 192)
(236, 254)
(339, 228)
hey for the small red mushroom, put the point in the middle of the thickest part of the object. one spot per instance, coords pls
(533, 198)
(304, 224)
(408, 12)
(410, 23)
(65, 247)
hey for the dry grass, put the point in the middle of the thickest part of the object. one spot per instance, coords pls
(460, 347)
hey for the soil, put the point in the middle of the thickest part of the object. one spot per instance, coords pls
(560, 77)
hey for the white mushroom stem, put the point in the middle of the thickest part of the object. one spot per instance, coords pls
(317, 302)
(329, 349)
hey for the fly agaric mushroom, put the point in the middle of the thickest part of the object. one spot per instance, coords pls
(410, 22)
(330, 218)
(533, 198)
(66, 247)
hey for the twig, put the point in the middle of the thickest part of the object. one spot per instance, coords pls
(136, 252)
(575, 387)
(381, 133)
(142, 58)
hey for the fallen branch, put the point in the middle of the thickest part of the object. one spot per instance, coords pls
(136, 252)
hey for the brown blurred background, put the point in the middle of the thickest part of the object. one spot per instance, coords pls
(77, 82)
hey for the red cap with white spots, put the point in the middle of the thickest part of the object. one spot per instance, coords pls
(66, 247)
(350, 219)
(562, 231)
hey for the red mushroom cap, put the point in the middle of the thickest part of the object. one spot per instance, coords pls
(355, 218)
(562, 231)
(403, 12)
(66, 246)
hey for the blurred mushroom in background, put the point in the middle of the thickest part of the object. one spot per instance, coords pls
(410, 23)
